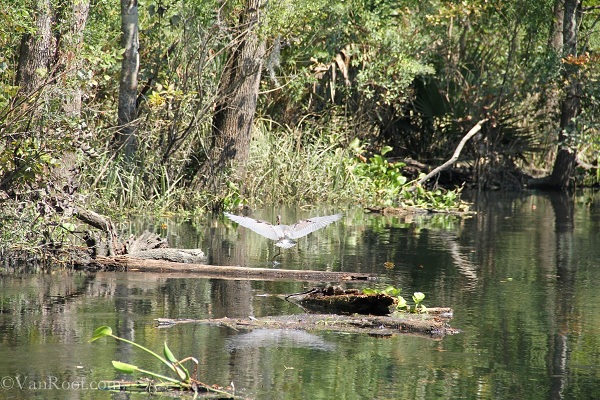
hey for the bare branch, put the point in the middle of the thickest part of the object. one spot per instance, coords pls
(454, 157)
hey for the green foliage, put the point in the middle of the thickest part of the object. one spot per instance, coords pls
(355, 57)
(384, 179)
(437, 199)
(389, 290)
(146, 187)
(417, 298)
(16, 19)
(28, 160)
(401, 303)
(232, 199)
(513, 79)
(297, 165)
(583, 135)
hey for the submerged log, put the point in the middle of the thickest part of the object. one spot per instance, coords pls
(225, 272)
(421, 324)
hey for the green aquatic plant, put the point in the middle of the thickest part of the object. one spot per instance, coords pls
(401, 303)
(180, 380)
(389, 290)
(417, 298)
(384, 179)
(438, 199)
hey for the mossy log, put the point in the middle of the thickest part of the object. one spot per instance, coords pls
(336, 300)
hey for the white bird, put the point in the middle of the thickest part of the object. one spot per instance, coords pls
(284, 235)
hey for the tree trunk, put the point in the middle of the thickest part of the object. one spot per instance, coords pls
(35, 50)
(564, 165)
(555, 39)
(73, 19)
(235, 109)
(125, 138)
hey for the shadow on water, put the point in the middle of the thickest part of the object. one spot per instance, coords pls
(522, 276)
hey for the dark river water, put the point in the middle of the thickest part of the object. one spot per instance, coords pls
(523, 276)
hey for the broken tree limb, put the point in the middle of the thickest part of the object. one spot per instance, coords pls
(225, 272)
(454, 157)
(104, 224)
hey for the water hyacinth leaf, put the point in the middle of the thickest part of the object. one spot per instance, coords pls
(369, 291)
(101, 332)
(401, 302)
(418, 297)
(124, 367)
(392, 291)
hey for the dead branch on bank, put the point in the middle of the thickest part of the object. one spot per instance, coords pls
(454, 157)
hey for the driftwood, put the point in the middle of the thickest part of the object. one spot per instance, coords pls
(102, 223)
(185, 256)
(146, 241)
(225, 272)
(422, 324)
(406, 210)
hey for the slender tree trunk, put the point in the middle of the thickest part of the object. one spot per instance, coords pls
(564, 165)
(234, 112)
(73, 18)
(555, 39)
(36, 48)
(125, 137)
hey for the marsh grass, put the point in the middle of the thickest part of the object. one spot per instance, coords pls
(286, 165)
(145, 186)
(291, 165)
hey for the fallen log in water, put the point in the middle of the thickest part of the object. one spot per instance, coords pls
(432, 325)
(225, 272)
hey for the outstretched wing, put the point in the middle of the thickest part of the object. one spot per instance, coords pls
(261, 227)
(306, 226)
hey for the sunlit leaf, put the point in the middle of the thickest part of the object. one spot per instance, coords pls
(124, 367)
(386, 149)
(168, 354)
(401, 302)
(418, 297)
(101, 332)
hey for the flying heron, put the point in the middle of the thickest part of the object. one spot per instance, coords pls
(284, 235)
